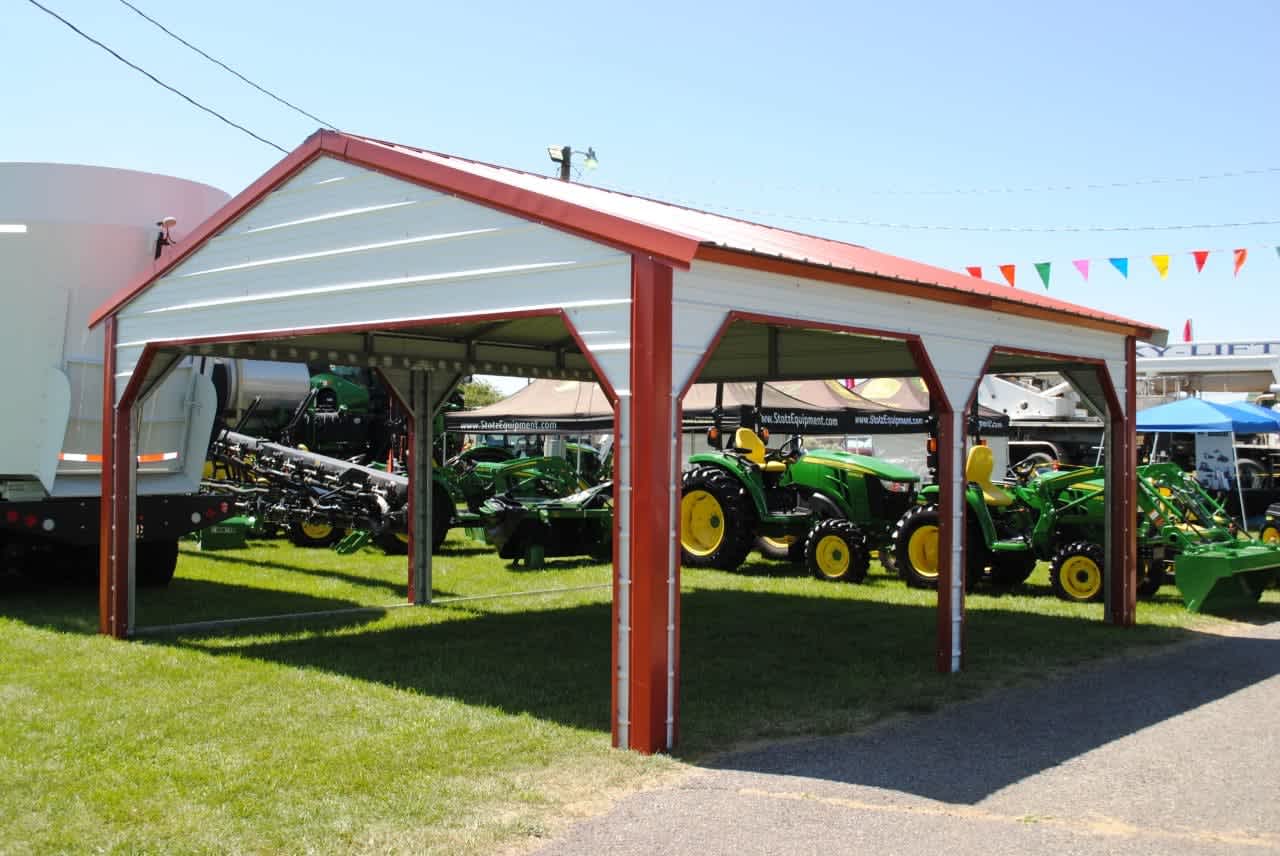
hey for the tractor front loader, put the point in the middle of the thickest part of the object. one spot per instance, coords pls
(1215, 566)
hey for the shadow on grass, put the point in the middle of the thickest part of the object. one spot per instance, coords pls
(765, 666)
(966, 753)
(448, 549)
(559, 564)
(240, 560)
(71, 605)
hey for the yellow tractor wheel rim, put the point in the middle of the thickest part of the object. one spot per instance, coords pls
(922, 550)
(783, 543)
(316, 531)
(1270, 535)
(832, 556)
(701, 523)
(1081, 577)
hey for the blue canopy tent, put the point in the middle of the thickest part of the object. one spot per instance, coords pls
(1195, 415)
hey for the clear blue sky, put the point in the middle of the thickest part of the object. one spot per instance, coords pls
(841, 111)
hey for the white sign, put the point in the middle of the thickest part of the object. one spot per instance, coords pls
(1215, 462)
(1209, 349)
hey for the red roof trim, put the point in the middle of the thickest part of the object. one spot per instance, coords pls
(1041, 309)
(665, 244)
(292, 162)
(628, 236)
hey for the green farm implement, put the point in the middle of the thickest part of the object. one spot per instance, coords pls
(533, 529)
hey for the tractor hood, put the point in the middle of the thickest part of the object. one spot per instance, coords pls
(863, 464)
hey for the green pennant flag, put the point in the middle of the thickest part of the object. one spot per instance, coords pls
(1042, 268)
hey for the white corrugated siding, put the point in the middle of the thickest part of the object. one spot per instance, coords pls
(704, 294)
(339, 244)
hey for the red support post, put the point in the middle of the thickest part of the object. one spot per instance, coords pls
(950, 596)
(653, 472)
(115, 516)
(1122, 487)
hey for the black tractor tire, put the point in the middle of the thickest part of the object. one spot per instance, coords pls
(1011, 569)
(1151, 578)
(922, 517)
(836, 551)
(392, 543)
(787, 549)
(442, 514)
(315, 534)
(909, 526)
(1270, 533)
(731, 514)
(887, 560)
(1078, 572)
(155, 563)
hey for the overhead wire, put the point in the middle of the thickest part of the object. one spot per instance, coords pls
(155, 79)
(866, 223)
(228, 68)
(940, 227)
(1045, 188)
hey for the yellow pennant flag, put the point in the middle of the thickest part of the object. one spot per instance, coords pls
(1162, 265)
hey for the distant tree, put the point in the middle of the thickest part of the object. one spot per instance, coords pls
(478, 393)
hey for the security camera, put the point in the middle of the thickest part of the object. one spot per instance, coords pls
(167, 222)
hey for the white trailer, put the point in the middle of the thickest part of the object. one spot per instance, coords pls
(70, 236)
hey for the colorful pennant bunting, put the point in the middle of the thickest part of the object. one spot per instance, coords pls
(1042, 268)
(1161, 262)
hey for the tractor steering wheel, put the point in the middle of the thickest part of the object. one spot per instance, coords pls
(1028, 466)
(793, 447)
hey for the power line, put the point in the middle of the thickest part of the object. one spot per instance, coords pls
(1046, 188)
(223, 65)
(155, 79)
(943, 227)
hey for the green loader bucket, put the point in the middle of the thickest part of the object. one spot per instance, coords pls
(1225, 576)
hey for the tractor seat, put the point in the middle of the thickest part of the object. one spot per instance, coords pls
(977, 469)
(746, 441)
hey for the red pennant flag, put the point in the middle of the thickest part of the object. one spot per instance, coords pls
(1008, 271)
(1186, 331)
(1240, 255)
(975, 272)
(1200, 256)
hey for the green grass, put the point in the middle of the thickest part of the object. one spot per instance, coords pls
(462, 728)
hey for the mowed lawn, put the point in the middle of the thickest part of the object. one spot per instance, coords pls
(469, 727)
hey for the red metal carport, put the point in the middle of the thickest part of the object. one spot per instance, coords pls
(429, 267)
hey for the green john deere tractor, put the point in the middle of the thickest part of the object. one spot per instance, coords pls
(1060, 517)
(831, 508)
(1054, 516)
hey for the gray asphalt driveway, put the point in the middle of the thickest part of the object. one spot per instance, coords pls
(1175, 753)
